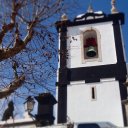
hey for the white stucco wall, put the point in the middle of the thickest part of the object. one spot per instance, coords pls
(106, 107)
(107, 45)
(18, 123)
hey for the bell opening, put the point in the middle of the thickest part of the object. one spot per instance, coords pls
(90, 44)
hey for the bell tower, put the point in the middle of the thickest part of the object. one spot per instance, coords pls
(91, 69)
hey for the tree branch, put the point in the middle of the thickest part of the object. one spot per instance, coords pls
(5, 29)
(12, 87)
(10, 26)
(18, 47)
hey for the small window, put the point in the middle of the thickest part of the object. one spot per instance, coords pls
(90, 44)
(93, 93)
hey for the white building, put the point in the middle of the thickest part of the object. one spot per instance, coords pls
(92, 69)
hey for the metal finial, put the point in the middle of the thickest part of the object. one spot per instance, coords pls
(90, 8)
(64, 17)
(113, 9)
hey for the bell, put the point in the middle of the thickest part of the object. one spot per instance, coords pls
(91, 51)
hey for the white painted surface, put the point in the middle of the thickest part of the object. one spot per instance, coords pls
(18, 123)
(106, 107)
(108, 52)
(56, 107)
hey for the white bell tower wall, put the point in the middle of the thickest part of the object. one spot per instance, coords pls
(104, 105)
(106, 43)
(91, 69)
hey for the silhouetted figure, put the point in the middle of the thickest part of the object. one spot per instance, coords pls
(8, 112)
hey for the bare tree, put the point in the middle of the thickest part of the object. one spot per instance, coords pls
(28, 45)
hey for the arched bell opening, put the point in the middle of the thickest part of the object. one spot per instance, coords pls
(90, 44)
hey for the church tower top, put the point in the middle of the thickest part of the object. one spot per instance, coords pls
(113, 9)
(64, 17)
(91, 16)
(90, 8)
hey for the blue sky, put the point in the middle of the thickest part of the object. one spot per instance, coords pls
(105, 6)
